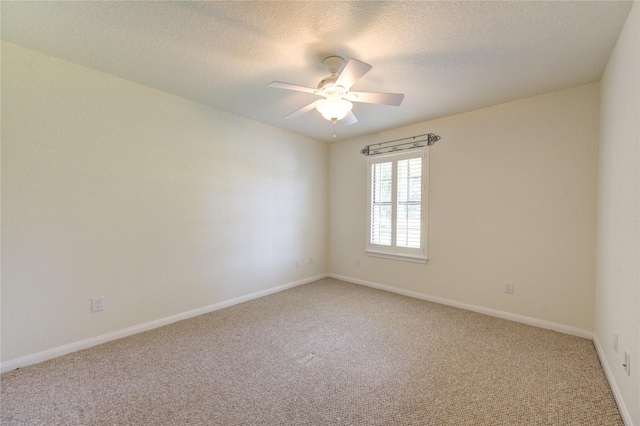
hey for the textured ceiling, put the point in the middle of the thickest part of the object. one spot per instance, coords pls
(446, 57)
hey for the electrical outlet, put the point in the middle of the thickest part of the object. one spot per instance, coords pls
(298, 263)
(357, 262)
(627, 363)
(97, 304)
(310, 260)
(615, 342)
(508, 288)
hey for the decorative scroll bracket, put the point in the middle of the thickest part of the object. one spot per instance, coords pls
(427, 139)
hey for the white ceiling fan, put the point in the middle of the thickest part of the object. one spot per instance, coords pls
(335, 90)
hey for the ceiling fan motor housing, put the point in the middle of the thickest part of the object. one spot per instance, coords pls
(328, 88)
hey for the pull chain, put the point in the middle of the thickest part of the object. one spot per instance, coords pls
(334, 127)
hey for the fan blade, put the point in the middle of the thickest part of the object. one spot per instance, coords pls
(287, 86)
(301, 111)
(349, 119)
(351, 73)
(394, 99)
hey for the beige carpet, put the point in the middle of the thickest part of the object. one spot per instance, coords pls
(326, 353)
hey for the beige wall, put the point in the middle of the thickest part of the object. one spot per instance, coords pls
(512, 197)
(159, 204)
(618, 249)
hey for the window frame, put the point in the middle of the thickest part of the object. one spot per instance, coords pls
(418, 255)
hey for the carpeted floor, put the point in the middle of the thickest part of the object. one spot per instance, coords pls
(325, 353)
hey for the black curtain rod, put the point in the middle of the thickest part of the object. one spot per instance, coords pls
(400, 144)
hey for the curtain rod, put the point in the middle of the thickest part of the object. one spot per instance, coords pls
(400, 144)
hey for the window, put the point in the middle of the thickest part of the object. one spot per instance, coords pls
(397, 205)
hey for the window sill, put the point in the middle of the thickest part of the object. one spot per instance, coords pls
(403, 257)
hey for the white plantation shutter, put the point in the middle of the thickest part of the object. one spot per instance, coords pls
(409, 202)
(381, 207)
(397, 205)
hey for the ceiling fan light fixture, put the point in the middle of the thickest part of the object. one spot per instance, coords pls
(333, 109)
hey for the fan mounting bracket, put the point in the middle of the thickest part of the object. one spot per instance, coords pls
(333, 64)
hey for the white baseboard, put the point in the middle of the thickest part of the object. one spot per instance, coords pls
(474, 308)
(624, 412)
(93, 341)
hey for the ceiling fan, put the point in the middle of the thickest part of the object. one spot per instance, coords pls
(335, 90)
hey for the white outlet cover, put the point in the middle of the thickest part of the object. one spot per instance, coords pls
(97, 304)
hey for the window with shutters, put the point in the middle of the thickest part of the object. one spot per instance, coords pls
(397, 205)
